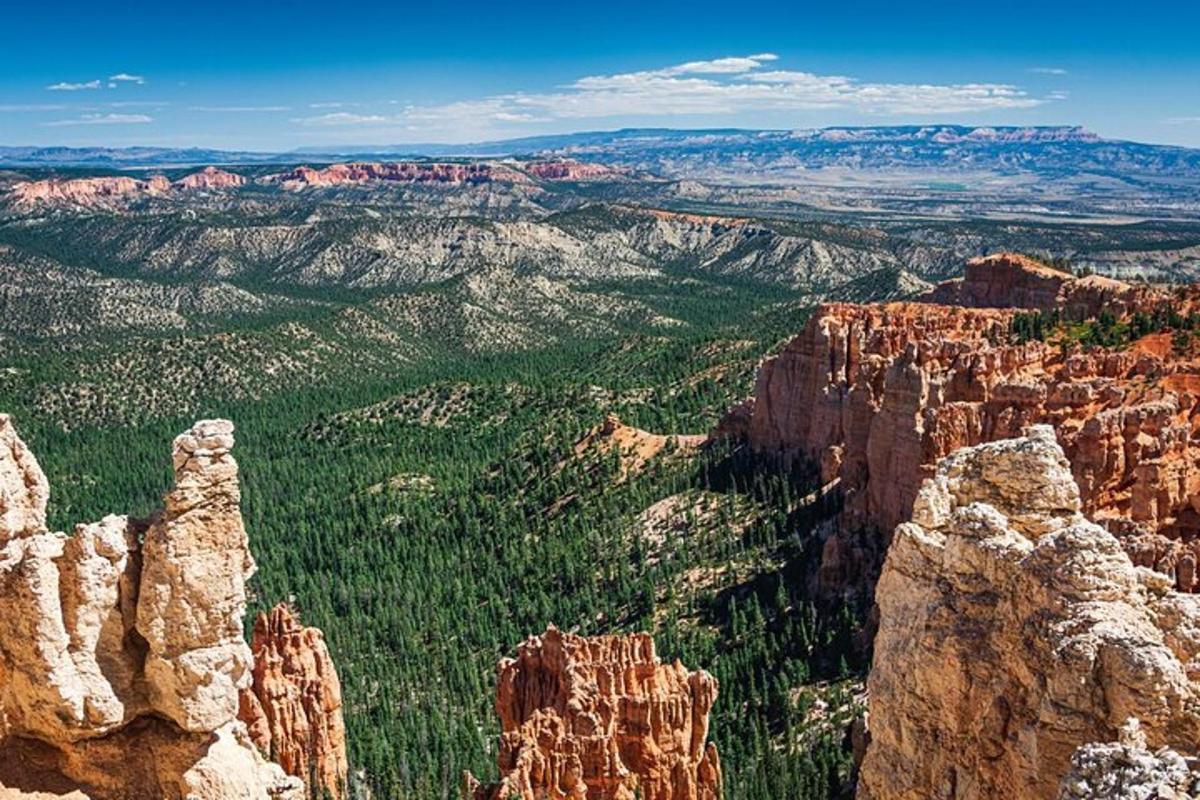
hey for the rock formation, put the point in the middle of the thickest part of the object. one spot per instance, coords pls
(874, 395)
(86, 191)
(210, 178)
(600, 718)
(126, 639)
(399, 171)
(1127, 770)
(567, 169)
(1013, 631)
(294, 707)
(104, 191)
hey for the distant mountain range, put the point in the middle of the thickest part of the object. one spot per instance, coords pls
(1049, 164)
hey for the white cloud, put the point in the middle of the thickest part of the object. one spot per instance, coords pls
(125, 77)
(729, 85)
(18, 107)
(345, 118)
(103, 119)
(238, 109)
(1047, 70)
(73, 87)
(333, 105)
(1182, 120)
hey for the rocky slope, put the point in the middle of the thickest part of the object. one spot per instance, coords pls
(127, 637)
(874, 395)
(1013, 632)
(601, 718)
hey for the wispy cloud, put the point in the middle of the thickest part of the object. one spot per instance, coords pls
(339, 118)
(726, 86)
(338, 104)
(238, 109)
(1047, 70)
(1182, 120)
(31, 107)
(64, 86)
(103, 119)
(125, 77)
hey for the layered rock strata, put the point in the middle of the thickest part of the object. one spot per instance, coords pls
(874, 395)
(126, 639)
(293, 709)
(1013, 632)
(601, 718)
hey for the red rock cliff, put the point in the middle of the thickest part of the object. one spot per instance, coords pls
(876, 394)
(293, 709)
(601, 718)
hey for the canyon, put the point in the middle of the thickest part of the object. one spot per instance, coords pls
(127, 637)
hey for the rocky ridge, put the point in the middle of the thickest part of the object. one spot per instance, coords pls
(127, 637)
(1014, 632)
(601, 718)
(875, 395)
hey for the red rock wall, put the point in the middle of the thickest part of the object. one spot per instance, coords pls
(876, 394)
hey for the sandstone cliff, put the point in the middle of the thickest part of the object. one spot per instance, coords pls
(104, 191)
(126, 638)
(293, 709)
(876, 394)
(1013, 631)
(601, 718)
(453, 174)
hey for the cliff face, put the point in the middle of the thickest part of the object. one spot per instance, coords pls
(876, 394)
(126, 638)
(600, 718)
(400, 171)
(1014, 632)
(99, 192)
(293, 709)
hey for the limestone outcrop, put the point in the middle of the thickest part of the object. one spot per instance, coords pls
(601, 718)
(121, 654)
(874, 395)
(210, 178)
(1013, 631)
(293, 709)
(110, 190)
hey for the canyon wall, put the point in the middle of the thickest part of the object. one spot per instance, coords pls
(1017, 639)
(874, 395)
(127, 638)
(601, 718)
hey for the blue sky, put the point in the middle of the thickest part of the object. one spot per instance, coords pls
(276, 76)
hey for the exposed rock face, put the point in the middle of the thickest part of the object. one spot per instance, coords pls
(876, 394)
(85, 191)
(401, 171)
(110, 646)
(570, 170)
(600, 718)
(1013, 631)
(90, 192)
(23, 488)
(210, 178)
(1126, 770)
(294, 707)
(1010, 280)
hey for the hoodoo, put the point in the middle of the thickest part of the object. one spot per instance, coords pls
(875, 395)
(1013, 632)
(127, 638)
(601, 718)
